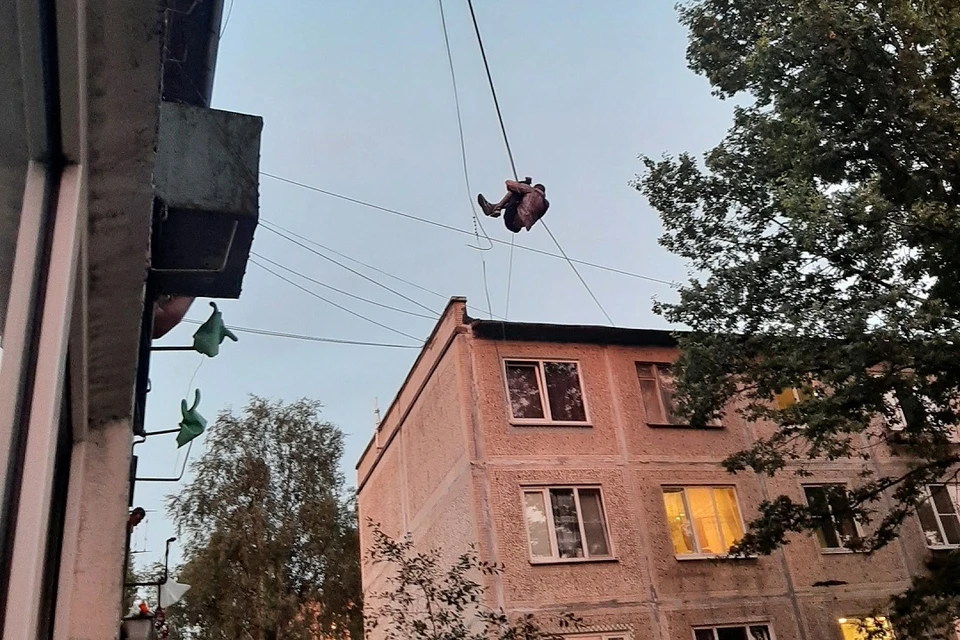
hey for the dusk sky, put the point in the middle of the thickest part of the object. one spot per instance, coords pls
(356, 99)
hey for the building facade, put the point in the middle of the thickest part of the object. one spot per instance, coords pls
(90, 255)
(552, 448)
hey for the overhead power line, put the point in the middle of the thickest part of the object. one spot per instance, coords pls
(341, 291)
(477, 225)
(448, 227)
(354, 271)
(516, 176)
(366, 265)
(332, 303)
(297, 336)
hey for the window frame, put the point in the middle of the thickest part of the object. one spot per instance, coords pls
(856, 525)
(547, 418)
(884, 622)
(936, 514)
(600, 635)
(657, 366)
(699, 555)
(744, 625)
(544, 490)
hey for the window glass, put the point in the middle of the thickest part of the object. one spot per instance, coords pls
(563, 391)
(566, 523)
(523, 384)
(537, 528)
(681, 531)
(593, 524)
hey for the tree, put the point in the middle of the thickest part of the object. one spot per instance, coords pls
(823, 239)
(272, 546)
(426, 601)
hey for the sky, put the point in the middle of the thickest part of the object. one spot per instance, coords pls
(356, 98)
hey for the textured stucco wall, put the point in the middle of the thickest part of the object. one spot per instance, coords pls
(644, 590)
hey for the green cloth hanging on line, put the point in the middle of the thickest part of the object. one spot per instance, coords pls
(192, 424)
(210, 335)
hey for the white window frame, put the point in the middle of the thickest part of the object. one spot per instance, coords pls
(745, 625)
(555, 558)
(936, 514)
(899, 420)
(856, 525)
(547, 418)
(612, 635)
(713, 424)
(699, 555)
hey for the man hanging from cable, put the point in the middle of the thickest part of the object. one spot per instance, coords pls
(522, 206)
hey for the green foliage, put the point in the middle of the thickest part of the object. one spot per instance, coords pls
(822, 233)
(427, 601)
(272, 547)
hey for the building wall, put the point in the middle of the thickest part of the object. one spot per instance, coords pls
(645, 587)
(643, 590)
(415, 478)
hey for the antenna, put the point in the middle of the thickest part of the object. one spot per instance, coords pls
(376, 414)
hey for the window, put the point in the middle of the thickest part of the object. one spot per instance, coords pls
(565, 522)
(528, 381)
(740, 632)
(656, 388)
(791, 396)
(598, 636)
(915, 411)
(938, 515)
(837, 527)
(703, 520)
(858, 628)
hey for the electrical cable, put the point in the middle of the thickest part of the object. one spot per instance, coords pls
(441, 225)
(463, 158)
(364, 264)
(298, 336)
(341, 291)
(355, 272)
(516, 176)
(332, 303)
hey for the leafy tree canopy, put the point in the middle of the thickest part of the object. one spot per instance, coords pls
(272, 547)
(823, 239)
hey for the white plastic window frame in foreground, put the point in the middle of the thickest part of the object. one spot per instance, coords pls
(538, 364)
(544, 492)
(751, 631)
(698, 553)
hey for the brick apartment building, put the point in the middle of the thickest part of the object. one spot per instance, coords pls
(553, 449)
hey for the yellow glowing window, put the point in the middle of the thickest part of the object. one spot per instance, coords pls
(702, 520)
(791, 396)
(863, 628)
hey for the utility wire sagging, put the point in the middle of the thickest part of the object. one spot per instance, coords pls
(448, 227)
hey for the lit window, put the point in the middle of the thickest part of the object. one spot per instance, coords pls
(739, 632)
(529, 381)
(938, 515)
(837, 530)
(791, 396)
(863, 628)
(703, 520)
(565, 522)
